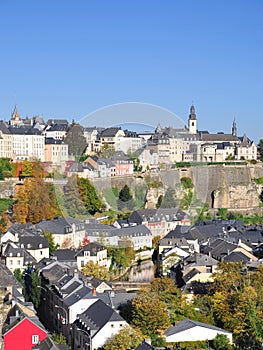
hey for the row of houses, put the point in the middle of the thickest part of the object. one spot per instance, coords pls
(190, 255)
(85, 310)
(33, 138)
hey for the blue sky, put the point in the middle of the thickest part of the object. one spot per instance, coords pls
(64, 58)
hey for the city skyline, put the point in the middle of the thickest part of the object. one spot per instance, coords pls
(67, 61)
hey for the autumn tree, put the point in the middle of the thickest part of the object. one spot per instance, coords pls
(91, 269)
(35, 201)
(149, 313)
(126, 338)
(84, 242)
(236, 303)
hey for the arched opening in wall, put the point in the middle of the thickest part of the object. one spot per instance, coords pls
(212, 199)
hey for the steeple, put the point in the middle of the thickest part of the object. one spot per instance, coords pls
(192, 122)
(192, 114)
(15, 114)
(234, 128)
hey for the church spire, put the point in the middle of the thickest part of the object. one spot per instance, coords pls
(234, 128)
(192, 122)
(15, 114)
(192, 115)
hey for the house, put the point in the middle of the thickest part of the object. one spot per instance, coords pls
(8, 283)
(123, 164)
(104, 234)
(56, 131)
(169, 257)
(94, 252)
(55, 151)
(145, 345)
(96, 325)
(48, 344)
(28, 142)
(15, 257)
(148, 158)
(98, 284)
(109, 136)
(160, 221)
(189, 330)
(139, 235)
(66, 232)
(63, 296)
(22, 329)
(6, 142)
(26, 236)
(66, 256)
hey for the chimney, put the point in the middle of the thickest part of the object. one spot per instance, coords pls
(76, 274)
(94, 292)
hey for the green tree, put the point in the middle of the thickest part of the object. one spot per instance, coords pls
(75, 140)
(125, 200)
(89, 196)
(27, 168)
(187, 182)
(35, 291)
(58, 338)
(221, 342)
(107, 151)
(95, 270)
(121, 257)
(72, 198)
(52, 246)
(222, 213)
(127, 338)
(1, 174)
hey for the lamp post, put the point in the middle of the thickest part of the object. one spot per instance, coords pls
(66, 313)
(89, 336)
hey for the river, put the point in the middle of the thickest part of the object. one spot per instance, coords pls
(140, 273)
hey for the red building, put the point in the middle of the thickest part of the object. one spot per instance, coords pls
(22, 329)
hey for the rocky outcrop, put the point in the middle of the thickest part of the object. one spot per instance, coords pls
(152, 196)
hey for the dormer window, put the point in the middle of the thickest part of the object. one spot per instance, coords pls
(22, 245)
(28, 245)
(40, 245)
(10, 254)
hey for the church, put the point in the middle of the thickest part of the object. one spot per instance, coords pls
(189, 144)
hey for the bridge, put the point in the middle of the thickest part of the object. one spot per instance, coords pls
(129, 286)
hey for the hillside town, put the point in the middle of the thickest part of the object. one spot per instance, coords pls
(53, 142)
(65, 251)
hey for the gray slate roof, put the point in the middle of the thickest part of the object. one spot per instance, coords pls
(187, 324)
(59, 225)
(98, 314)
(154, 215)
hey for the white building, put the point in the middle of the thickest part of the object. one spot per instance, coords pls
(28, 143)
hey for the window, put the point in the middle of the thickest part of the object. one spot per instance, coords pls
(35, 339)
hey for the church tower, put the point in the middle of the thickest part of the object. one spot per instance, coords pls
(192, 122)
(234, 128)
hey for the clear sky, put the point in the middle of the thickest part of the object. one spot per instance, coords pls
(67, 58)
